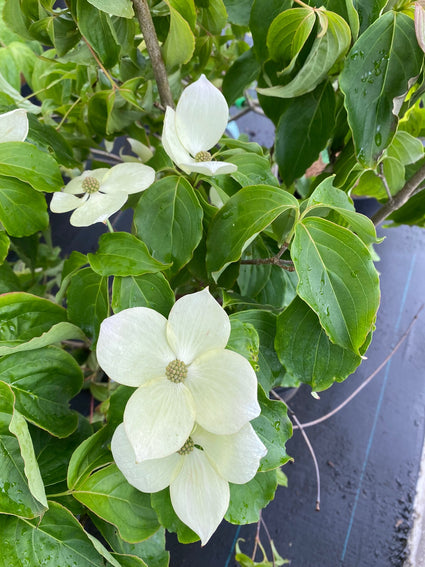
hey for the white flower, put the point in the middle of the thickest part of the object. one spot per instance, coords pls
(13, 126)
(196, 125)
(183, 373)
(198, 479)
(104, 192)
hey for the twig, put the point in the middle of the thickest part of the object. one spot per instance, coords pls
(366, 382)
(275, 260)
(240, 114)
(266, 529)
(253, 105)
(99, 62)
(102, 153)
(309, 445)
(149, 34)
(67, 113)
(382, 177)
(400, 198)
(257, 537)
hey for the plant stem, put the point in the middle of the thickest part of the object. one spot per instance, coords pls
(109, 225)
(401, 198)
(99, 62)
(148, 30)
(274, 260)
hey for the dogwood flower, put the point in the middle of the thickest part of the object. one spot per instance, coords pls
(196, 125)
(103, 192)
(198, 474)
(13, 126)
(182, 370)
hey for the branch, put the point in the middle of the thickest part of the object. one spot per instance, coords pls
(274, 260)
(148, 30)
(401, 198)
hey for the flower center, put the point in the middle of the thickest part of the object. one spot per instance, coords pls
(203, 156)
(176, 371)
(187, 447)
(90, 185)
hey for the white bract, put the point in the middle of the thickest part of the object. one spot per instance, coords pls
(196, 125)
(13, 126)
(183, 373)
(198, 478)
(103, 192)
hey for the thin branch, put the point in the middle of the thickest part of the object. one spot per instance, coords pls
(401, 197)
(99, 62)
(266, 529)
(366, 382)
(109, 156)
(274, 260)
(149, 34)
(257, 537)
(309, 445)
(382, 177)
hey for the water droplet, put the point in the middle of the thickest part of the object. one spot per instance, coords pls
(378, 139)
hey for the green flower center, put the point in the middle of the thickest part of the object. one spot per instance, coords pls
(187, 447)
(176, 371)
(90, 185)
(203, 156)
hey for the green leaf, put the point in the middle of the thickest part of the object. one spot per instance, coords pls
(22, 491)
(23, 211)
(180, 43)
(303, 131)
(57, 537)
(43, 382)
(151, 550)
(88, 301)
(246, 500)
(347, 10)
(279, 290)
(288, 34)
(369, 11)
(92, 454)
(262, 14)
(27, 163)
(239, 221)
(4, 246)
(240, 75)
(239, 11)
(161, 503)
(405, 148)
(168, 218)
(244, 339)
(253, 169)
(411, 213)
(187, 10)
(24, 316)
(97, 28)
(149, 290)
(214, 16)
(122, 254)
(373, 78)
(108, 494)
(328, 47)
(50, 140)
(274, 428)
(123, 8)
(305, 350)
(337, 279)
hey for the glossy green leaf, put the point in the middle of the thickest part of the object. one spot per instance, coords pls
(149, 290)
(168, 218)
(240, 75)
(43, 382)
(411, 213)
(214, 16)
(303, 131)
(180, 43)
(246, 500)
(92, 454)
(4, 246)
(58, 536)
(253, 277)
(279, 290)
(49, 139)
(27, 163)
(305, 350)
(369, 11)
(375, 80)
(88, 301)
(122, 254)
(253, 169)
(239, 11)
(23, 211)
(405, 148)
(187, 9)
(161, 503)
(329, 46)
(22, 492)
(109, 496)
(244, 339)
(337, 279)
(263, 12)
(96, 27)
(24, 317)
(274, 428)
(288, 34)
(346, 9)
(123, 8)
(239, 221)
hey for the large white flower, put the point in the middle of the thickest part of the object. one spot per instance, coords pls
(198, 474)
(196, 125)
(13, 126)
(183, 373)
(103, 192)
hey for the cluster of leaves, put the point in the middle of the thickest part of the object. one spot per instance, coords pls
(292, 262)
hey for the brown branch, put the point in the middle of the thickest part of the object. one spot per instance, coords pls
(274, 260)
(148, 30)
(400, 198)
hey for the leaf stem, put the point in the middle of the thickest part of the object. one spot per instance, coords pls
(109, 225)
(400, 198)
(99, 62)
(149, 34)
(274, 260)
